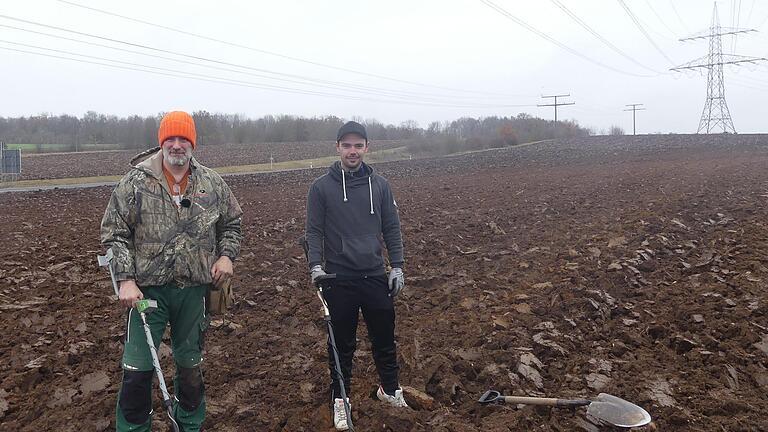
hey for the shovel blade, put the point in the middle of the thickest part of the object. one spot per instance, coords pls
(618, 412)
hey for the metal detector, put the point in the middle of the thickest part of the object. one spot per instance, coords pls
(143, 307)
(322, 283)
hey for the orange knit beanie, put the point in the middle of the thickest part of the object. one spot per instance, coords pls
(177, 123)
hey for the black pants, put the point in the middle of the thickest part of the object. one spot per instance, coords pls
(345, 299)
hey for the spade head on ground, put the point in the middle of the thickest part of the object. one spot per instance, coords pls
(618, 412)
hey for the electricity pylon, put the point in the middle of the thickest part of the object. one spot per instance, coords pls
(716, 114)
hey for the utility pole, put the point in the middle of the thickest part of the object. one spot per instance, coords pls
(716, 113)
(556, 104)
(634, 109)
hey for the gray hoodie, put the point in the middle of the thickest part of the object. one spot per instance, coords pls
(348, 216)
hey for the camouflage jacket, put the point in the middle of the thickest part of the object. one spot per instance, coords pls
(155, 242)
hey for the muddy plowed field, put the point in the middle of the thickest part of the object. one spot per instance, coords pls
(631, 266)
(108, 163)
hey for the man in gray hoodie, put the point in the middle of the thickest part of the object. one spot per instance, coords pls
(350, 211)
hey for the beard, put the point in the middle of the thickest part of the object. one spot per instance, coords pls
(176, 159)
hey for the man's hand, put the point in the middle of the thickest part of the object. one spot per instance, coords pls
(396, 281)
(221, 270)
(129, 293)
(316, 272)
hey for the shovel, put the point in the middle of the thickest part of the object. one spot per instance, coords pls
(606, 408)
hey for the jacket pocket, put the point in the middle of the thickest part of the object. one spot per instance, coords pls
(363, 251)
(150, 260)
(206, 259)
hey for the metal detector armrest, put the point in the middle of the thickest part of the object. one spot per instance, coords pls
(106, 261)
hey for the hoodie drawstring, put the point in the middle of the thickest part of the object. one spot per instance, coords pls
(370, 193)
(344, 185)
(344, 188)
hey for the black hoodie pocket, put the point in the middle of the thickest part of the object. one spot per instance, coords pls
(364, 251)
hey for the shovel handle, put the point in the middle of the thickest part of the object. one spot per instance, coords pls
(524, 400)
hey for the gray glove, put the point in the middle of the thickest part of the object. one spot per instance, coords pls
(316, 272)
(396, 281)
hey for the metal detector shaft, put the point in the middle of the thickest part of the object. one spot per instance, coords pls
(327, 317)
(156, 362)
(340, 375)
(332, 339)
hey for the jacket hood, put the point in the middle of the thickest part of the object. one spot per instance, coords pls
(151, 162)
(354, 180)
(335, 171)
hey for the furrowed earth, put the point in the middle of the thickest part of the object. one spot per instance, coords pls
(635, 266)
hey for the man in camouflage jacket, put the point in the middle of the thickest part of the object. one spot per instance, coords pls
(174, 229)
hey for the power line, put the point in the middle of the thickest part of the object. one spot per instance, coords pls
(747, 79)
(733, 18)
(642, 30)
(161, 71)
(736, 25)
(599, 36)
(738, 84)
(748, 84)
(280, 75)
(751, 9)
(541, 34)
(763, 23)
(650, 6)
(672, 3)
(593, 110)
(296, 79)
(219, 80)
(275, 54)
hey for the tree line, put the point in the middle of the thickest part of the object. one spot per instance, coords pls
(137, 132)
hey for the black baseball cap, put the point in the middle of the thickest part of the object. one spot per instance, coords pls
(351, 127)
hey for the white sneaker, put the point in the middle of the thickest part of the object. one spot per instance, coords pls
(397, 401)
(340, 414)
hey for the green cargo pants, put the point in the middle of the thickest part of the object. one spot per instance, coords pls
(184, 309)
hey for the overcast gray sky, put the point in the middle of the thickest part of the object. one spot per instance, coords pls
(423, 60)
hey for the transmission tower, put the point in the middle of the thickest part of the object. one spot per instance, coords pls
(716, 114)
